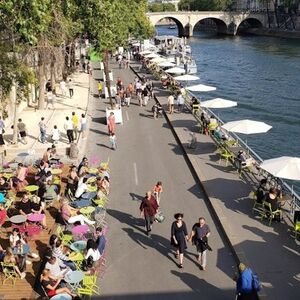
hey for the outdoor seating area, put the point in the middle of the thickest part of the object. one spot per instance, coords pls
(53, 228)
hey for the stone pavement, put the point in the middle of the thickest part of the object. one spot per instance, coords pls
(64, 106)
(268, 250)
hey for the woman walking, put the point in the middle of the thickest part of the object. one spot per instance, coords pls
(179, 236)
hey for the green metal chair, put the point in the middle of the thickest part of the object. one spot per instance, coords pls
(269, 214)
(90, 282)
(226, 155)
(9, 272)
(65, 237)
(296, 228)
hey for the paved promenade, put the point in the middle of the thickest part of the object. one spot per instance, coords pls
(64, 106)
(140, 267)
(269, 250)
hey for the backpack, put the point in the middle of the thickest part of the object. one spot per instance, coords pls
(256, 285)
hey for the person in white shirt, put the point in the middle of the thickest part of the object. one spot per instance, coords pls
(56, 267)
(92, 250)
(83, 125)
(63, 88)
(180, 102)
(68, 126)
(55, 134)
(50, 99)
(171, 104)
(82, 190)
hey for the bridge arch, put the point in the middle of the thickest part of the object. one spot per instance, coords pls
(180, 27)
(249, 23)
(221, 25)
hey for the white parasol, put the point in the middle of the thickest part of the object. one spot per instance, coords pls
(218, 103)
(186, 77)
(246, 126)
(152, 55)
(284, 167)
(158, 60)
(166, 64)
(176, 70)
(201, 88)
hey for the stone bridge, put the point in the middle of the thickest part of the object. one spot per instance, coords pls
(226, 22)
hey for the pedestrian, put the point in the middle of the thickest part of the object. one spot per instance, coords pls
(180, 102)
(63, 88)
(148, 209)
(71, 88)
(83, 66)
(179, 236)
(48, 86)
(200, 233)
(68, 126)
(42, 126)
(157, 190)
(2, 131)
(50, 99)
(145, 96)
(112, 139)
(127, 97)
(88, 68)
(83, 125)
(171, 104)
(75, 122)
(22, 131)
(100, 89)
(55, 134)
(111, 123)
(247, 284)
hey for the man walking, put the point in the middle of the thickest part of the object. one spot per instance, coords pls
(171, 104)
(180, 102)
(22, 131)
(148, 209)
(42, 126)
(68, 126)
(200, 233)
(71, 88)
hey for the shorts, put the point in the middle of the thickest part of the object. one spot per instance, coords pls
(51, 293)
(23, 133)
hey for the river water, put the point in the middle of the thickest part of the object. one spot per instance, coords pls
(263, 75)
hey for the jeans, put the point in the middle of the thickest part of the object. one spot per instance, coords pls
(88, 195)
(203, 260)
(148, 222)
(70, 135)
(69, 264)
(43, 136)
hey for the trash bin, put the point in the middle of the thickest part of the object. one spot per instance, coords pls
(74, 151)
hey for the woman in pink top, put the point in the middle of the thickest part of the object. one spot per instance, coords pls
(111, 123)
(19, 181)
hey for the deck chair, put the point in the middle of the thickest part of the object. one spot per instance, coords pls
(66, 238)
(9, 272)
(70, 195)
(90, 282)
(269, 214)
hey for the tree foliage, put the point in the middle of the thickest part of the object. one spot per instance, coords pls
(157, 7)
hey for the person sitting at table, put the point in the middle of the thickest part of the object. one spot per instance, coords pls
(92, 250)
(50, 192)
(82, 190)
(103, 172)
(25, 205)
(60, 251)
(205, 123)
(261, 191)
(4, 185)
(46, 157)
(271, 198)
(19, 181)
(243, 160)
(104, 185)
(84, 170)
(3, 214)
(73, 179)
(37, 207)
(56, 267)
(51, 285)
(9, 258)
(219, 134)
(71, 215)
(81, 164)
(100, 240)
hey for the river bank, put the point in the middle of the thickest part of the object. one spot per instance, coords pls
(274, 32)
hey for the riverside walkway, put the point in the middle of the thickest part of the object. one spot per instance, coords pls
(268, 250)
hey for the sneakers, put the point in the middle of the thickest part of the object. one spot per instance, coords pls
(34, 255)
(28, 262)
(23, 275)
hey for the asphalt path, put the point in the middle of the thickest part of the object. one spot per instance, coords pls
(139, 267)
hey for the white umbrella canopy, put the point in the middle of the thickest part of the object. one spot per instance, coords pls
(201, 88)
(186, 77)
(166, 64)
(152, 55)
(246, 126)
(218, 103)
(158, 60)
(146, 52)
(176, 70)
(286, 167)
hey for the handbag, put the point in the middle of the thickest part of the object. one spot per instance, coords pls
(159, 217)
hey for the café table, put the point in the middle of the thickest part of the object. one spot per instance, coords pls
(78, 246)
(18, 219)
(87, 211)
(7, 175)
(80, 230)
(74, 278)
(31, 188)
(36, 217)
(93, 170)
(2, 198)
(56, 171)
